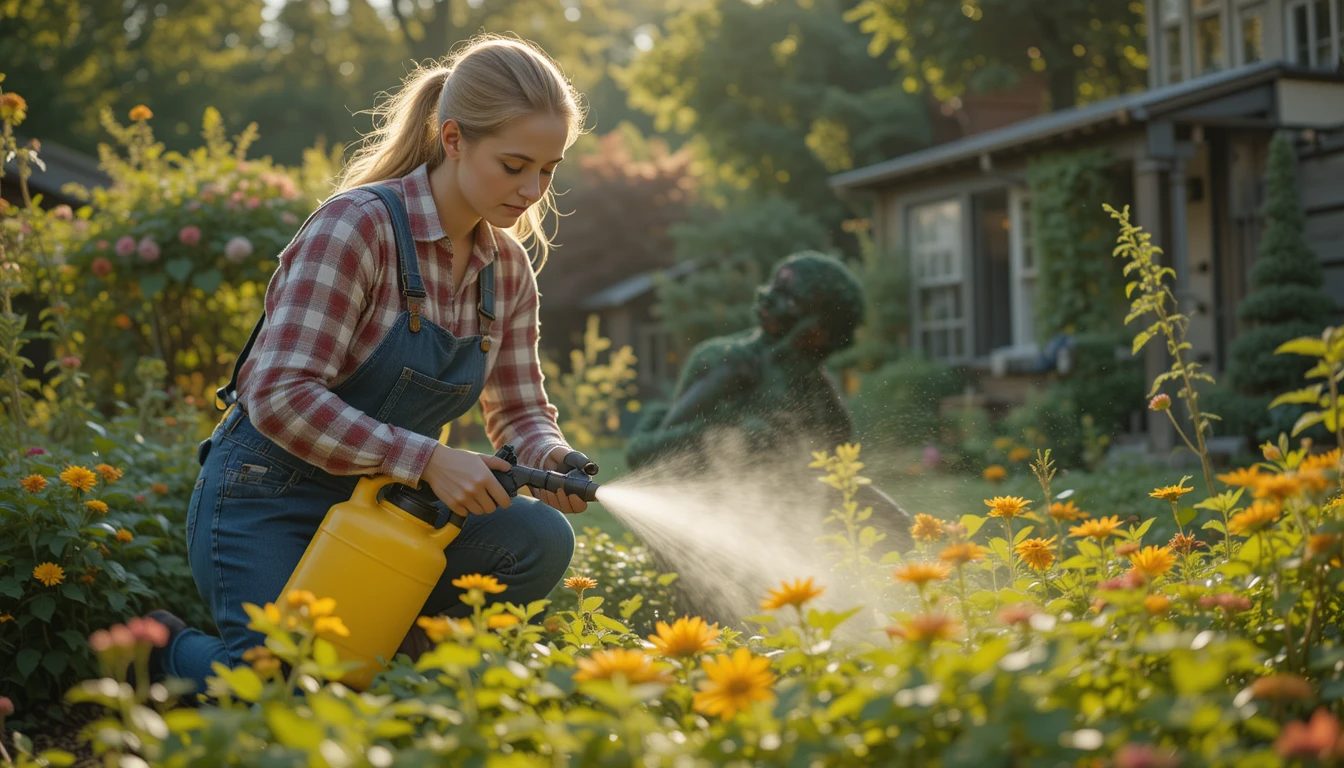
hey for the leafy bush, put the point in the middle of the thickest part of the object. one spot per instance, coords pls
(1108, 387)
(900, 401)
(591, 395)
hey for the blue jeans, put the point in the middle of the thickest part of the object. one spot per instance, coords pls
(246, 533)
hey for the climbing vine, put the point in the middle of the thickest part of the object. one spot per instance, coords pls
(1079, 286)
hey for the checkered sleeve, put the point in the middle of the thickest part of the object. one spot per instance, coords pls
(514, 400)
(313, 307)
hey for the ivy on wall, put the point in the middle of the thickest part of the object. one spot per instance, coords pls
(1079, 287)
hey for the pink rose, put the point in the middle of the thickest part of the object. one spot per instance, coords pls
(148, 249)
(101, 267)
(125, 246)
(238, 249)
(189, 235)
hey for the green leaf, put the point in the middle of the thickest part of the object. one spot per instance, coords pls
(1305, 396)
(151, 284)
(293, 730)
(1214, 525)
(43, 607)
(56, 662)
(972, 523)
(243, 681)
(1022, 534)
(1309, 419)
(1193, 674)
(1305, 345)
(1186, 514)
(628, 607)
(666, 578)
(592, 603)
(116, 601)
(57, 757)
(179, 269)
(606, 622)
(26, 661)
(208, 281)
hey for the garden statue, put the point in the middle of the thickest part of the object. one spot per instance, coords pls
(767, 387)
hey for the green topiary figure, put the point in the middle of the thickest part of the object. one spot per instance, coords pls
(1285, 300)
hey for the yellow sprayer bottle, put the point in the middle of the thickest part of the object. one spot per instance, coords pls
(378, 561)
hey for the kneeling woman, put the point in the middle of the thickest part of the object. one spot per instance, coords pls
(402, 301)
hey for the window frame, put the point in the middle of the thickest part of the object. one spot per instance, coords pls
(1244, 12)
(1211, 10)
(1020, 245)
(919, 282)
(1334, 34)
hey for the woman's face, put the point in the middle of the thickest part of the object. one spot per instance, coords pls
(501, 176)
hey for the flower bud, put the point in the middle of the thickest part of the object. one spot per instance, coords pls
(1160, 403)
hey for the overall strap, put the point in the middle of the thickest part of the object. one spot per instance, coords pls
(412, 289)
(485, 306)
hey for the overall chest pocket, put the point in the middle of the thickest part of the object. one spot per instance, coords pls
(423, 403)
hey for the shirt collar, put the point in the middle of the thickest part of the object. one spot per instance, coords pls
(425, 223)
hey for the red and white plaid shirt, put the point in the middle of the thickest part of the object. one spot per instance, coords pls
(336, 294)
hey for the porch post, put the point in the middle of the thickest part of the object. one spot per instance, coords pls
(1149, 196)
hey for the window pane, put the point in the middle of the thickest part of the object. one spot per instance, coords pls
(1339, 31)
(1253, 34)
(1173, 46)
(1300, 29)
(1322, 37)
(1209, 43)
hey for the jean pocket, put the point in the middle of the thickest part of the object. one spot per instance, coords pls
(252, 475)
(422, 403)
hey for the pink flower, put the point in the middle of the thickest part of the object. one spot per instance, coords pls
(101, 267)
(149, 631)
(100, 641)
(63, 212)
(253, 203)
(140, 497)
(289, 218)
(1130, 580)
(189, 235)
(932, 458)
(1314, 740)
(238, 249)
(36, 451)
(6, 707)
(100, 245)
(1144, 756)
(70, 361)
(125, 246)
(1160, 403)
(122, 637)
(81, 226)
(148, 249)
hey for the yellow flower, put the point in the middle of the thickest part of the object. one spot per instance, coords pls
(1003, 443)
(1326, 462)
(124, 536)
(800, 592)
(926, 628)
(686, 637)
(1067, 512)
(1321, 544)
(110, 473)
(920, 574)
(140, 112)
(6, 617)
(1019, 454)
(262, 660)
(1171, 493)
(1245, 477)
(1006, 507)
(330, 625)
(79, 477)
(633, 665)
(299, 598)
(963, 553)
(487, 584)
(97, 506)
(580, 583)
(49, 574)
(1098, 529)
(440, 628)
(1277, 486)
(927, 528)
(1037, 553)
(501, 621)
(1157, 605)
(995, 473)
(1152, 561)
(33, 483)
(322, 607)
(732, 683)
(1257, 517)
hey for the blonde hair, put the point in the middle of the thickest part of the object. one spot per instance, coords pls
(484, 86)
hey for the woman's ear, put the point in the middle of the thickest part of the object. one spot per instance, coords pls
(451, 138)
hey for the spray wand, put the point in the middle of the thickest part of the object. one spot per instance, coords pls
(422, 502)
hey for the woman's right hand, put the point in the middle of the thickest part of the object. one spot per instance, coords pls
(463, 480)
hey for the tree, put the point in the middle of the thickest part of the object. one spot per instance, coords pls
(1285, 300)
(1085, 49)
(779, 95)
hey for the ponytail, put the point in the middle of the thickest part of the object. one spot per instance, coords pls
(405, 134)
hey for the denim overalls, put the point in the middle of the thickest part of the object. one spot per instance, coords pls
(255, 506)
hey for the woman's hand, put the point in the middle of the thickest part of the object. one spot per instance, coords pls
(463, 480)
(570, 505)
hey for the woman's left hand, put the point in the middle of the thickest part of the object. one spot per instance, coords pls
(569, 504)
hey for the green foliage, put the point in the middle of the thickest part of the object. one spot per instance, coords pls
(886, 290)
(627, 575)
(779, 95)
(1079, 287)
(591, 394)
(1327, 352)
(1285, 301)
(1084, 50)
(900, 400)
(1105, 379)
(1052, 417)
(733, 254)
(177, 251)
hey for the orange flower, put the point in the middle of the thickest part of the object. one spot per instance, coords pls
(79, 478)
(1152, 562)
(1171, 493)
(33, 483)
(97, 506)
(1099, 529)
(733, 683)
(1277, 486)
(501, 621)
(995, 473)
(685, 637)
(1127, 549)
(1037, 553)
(963, 553)
(1282, 688)
(1019, 454)
(140, 112)
(796, 594)
(1317, 740)
(1322, 544)
(920, 574)
(633, 665)
(1327, 462)
(440, 628)
(13, 108)
(926, 628)
(1006, 507)
(1185, 543)
(1157, 605)
(262, 660)
(110, 473)
(580, 583)
(1246, 477)
(50, 574)
(927, 528)
(124, 322)
(124, 536)
(476, 581)
(1066, 512)
(159, 488)
(1258, 517)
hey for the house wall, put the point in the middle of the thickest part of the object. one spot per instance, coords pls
(1321, 185)
(1198, 303)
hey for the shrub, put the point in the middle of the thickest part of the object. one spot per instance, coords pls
(900, 401)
